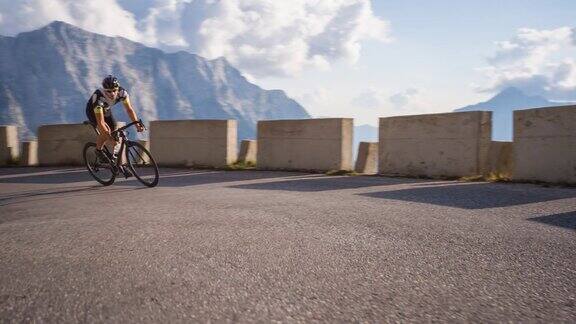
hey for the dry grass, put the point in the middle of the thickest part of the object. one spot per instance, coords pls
(341, 172)
(241, 165)
(491, 177)
(12, 161)
(498, 177)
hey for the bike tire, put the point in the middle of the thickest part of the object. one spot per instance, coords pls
(95, 167)
(142, 164)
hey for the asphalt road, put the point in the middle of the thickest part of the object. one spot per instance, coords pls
(250, 246)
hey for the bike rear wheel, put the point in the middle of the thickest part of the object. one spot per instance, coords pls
(102, 172)
(142, 164)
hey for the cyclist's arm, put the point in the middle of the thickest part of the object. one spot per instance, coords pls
(129, 110)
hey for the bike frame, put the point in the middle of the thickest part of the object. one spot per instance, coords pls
(117, 134)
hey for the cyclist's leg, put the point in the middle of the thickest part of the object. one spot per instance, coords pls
(92, 118)
(100, 138)
(104, 138)
(111, 123)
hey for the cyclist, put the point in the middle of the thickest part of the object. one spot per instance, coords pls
(99, 112)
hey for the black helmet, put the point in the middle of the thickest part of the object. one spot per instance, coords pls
(110, 82)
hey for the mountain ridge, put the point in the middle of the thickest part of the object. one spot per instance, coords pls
(48, 74)
(503, 105)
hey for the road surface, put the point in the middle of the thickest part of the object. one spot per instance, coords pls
(247, 246)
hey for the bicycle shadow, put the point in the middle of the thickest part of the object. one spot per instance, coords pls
(66, 192)
(183, 178)
(169, 177)
(13, 171)
(46, 176)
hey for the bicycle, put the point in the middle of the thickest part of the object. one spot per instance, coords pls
(138, 160)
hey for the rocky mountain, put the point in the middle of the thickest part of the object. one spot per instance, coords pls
(502, 106)
(47, 75)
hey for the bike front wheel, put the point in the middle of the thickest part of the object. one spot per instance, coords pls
(142, 164)
(101, 171)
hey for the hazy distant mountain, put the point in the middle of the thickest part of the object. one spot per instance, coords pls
(503, 104)
(47, 75)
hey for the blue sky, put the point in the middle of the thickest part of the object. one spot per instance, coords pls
(349, 58)
(437, 48)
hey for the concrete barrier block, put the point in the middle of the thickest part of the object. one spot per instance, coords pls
(29, 156)
(248, 149)
(146, 144)
(499, 160)
(306, 144)
(545, 144)
(367, 160)
(435, 145)
(210, 143)
(9, 147)
(63, 144)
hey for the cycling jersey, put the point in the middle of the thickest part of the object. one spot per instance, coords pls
(99, 102)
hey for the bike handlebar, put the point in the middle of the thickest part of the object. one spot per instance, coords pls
(139, 121)
(115, 132)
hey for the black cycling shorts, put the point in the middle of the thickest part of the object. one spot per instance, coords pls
(110, 121)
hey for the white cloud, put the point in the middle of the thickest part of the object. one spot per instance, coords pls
(104, 16)
(411, 102)
(407, 102)
(372, 98)
(368, 104)
(536, 61)
(369, 99)
(317, 97)
(404, 98)
(159, 26)
(261, 37)
(321, 102)
(267, 37)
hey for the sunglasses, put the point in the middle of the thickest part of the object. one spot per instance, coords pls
(111, 90)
